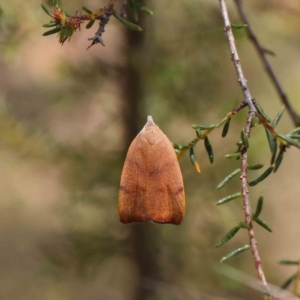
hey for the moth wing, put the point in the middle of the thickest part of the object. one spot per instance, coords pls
(132, 188)
(165, 199)
(151, 186)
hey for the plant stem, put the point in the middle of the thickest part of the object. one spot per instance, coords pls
(244, 162)
(235, 57)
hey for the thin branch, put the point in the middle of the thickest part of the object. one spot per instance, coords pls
(235, 57)
(244, 162)
(104, 18)
(247, 207)
(240, 107)
(263, 56)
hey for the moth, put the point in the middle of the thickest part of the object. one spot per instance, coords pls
(151, 186)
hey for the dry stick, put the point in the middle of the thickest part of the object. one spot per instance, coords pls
(252, 112)
(262, 53)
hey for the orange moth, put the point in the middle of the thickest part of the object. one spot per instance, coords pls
(151, 186)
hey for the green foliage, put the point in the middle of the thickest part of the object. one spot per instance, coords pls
(279, 158)
(235, 253)
(45, 9)
(226, 128)
(288, 262)
(263, 224)
(262, 177)
(273, 145)
(228, 178)
(259, 207)
(209, 150)
(229, 198)
(278, 117)
(286, 284)
(229, 235)
(262, 113)
(133, 9)
(128, 24)
(90, 24)
(87, 10)
(255, 167)
(52, 31)
(238, 26)
(244, 139)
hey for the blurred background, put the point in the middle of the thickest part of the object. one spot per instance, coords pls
(67, 117)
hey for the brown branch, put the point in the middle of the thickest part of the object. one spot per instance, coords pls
(104, 19)
(263, 56)
(247, 207)
(242, 105)
(235, 57)
(244, 162)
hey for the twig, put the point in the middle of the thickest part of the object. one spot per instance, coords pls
(262, 54)
(235, 57)
(242, 105)
(104, 18)
(244, 164)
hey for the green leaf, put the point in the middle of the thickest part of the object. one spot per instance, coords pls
(245, 225)
(289, 281)
(226, 127)
(296, 130)
(228, 116)
(274, 155)
(228, 178)
(176, 146)
(52, 31)
(244, 139)
(278, 117)
(193, 160)
(90, 24)
(51, 24)
(262, 113)
(295, 136)
(55, 3)
(229, 235)
(254, 121)
(279, 158)
(229, 198)
(146, 10)
(263, 176)
(66, 33)
(133, 9)
(87, 10)
(273, 145)
(238, 26)
(45, 9)
(199, 134)
(288, 262)
(235, 253)
(263, 224)
(233, 155)
(255, 167)
(289, 140)
(69, 15)
(209, 150)
(259, 207)
(203, 127)
(127, 23)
